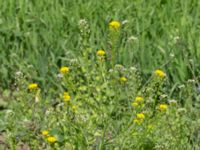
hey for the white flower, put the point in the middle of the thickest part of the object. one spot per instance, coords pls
(125, 22)
(132, 38)
(60, 75)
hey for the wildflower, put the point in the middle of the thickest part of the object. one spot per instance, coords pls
(32, 86)
(134, 104)
(163, 107)
(73, 62)
(172, 102)
(45, 133)
(64, 70)
(51, 139)
(139, 119)
(160, 73)
(191, 80)
(101, 53)
(123, 79)
(19, 74)
(60, 76)
(124, 22)
(83, 23)
(140, 116)
(66, 97)
(133, 69)
(114, 25)
(119, 67)
(139, 99)
(181, 111)
(132, 38)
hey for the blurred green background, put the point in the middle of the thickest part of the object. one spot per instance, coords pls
(42, 35)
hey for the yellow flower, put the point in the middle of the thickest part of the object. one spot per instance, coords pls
(123, 79)
(139, 119)
(51, 139)
(64, 70)
(101, 53)
(163, 107)
(33, 86)
(114, 25)
(139, 99)
(134, 104)
(45, 133)
(140, 116)
(66, 97)
(160, 73)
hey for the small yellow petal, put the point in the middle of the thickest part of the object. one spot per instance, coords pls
(139, 99)
(101, 53)
(160, 73)
(114, 25)
(33, 86)
(64, 70)
(163, 107)
(51, 139)
(140, 116)
(66, 97)
(45, 133)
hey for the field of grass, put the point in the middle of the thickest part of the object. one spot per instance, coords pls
(89, 74)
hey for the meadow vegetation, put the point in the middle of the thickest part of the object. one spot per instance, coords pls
(79, 74)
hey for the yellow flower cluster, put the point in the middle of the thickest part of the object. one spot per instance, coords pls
(66, 97)
(50, 139)
(101, 53)
(114, 25)
(64, 70)
(160, 73)
(139, 119)
(45, 133)
(163, 107)
(140, 116)
(137, 100)
(33, 86)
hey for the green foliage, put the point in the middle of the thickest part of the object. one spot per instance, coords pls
(95, 104)
(45, 33)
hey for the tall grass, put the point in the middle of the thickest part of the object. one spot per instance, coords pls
(45, 33)
(37, 37)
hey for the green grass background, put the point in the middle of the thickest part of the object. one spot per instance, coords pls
(37, 37)
(43, 34)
